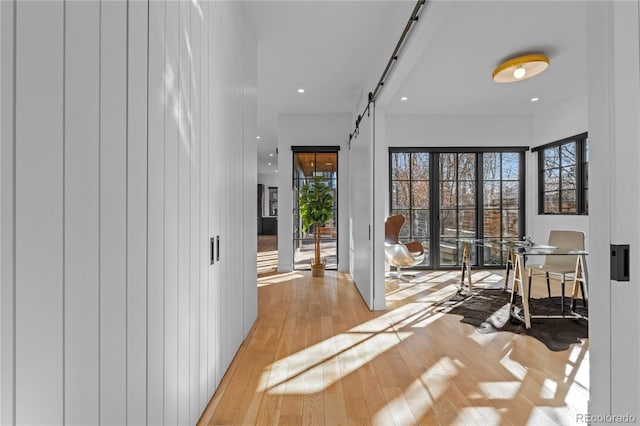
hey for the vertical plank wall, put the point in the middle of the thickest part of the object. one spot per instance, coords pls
(134, 142)
(82, 226)
(39, 210)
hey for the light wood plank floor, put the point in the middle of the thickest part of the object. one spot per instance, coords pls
(318, 356)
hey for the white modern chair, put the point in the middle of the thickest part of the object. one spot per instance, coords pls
(560, 265)
(396, 253)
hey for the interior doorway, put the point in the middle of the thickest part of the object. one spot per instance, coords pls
(309, 162)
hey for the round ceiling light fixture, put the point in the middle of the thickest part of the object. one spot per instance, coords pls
(520, 68)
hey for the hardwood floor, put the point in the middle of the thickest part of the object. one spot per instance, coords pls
(317, 355)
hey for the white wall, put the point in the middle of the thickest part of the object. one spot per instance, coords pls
(267, 180)
(129, 153)
(7, 254)
(556, 122)
(456, 131)
(311, 130)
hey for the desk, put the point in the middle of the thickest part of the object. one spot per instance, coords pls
(517, 253)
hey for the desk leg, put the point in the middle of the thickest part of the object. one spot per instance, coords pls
(518, 286)
(466, 267)
(506, 270)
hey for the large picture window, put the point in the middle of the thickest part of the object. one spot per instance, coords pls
(449, 194)
(563, 176)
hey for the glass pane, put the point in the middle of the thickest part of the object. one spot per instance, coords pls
(491, 223)
(491, 165)
(568, 201)
(568, 154)
(400, 165)
(448, 195)
(510, 195)
(400, 195)
(404, 231)
(448, 251)
(420, 166)
(510, 223)
(467, 223)
(568, 178)
(511, 166)
(467, 195)
(426, 243)
(447, 166)
(420, 224)
(448, 223)
(552, 179)
(420, 194)
(551, 202)
(491, 194)
(493, 256)
(466, 166)
(552, 157)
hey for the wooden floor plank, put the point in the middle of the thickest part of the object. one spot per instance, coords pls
(318, 356)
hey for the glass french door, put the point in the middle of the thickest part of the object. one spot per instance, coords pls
(308, 163)
(446, 196)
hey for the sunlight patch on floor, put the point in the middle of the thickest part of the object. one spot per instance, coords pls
(278, 278)
(500, 390)
(514, 367)
(429, 387)
(304, 370)
(356, 348)
(477, 416)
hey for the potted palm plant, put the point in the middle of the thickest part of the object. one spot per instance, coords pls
(316, 208)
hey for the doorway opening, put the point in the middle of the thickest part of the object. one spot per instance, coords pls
(309, 162)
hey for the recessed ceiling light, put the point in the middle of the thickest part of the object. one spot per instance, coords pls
(268, 164)
(404, 98)
(535, 99)
(257, 137)
(276, 170)
(301, 90)
(271, 155)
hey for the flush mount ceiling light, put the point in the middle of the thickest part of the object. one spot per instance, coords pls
(520, 68)
(301, 90)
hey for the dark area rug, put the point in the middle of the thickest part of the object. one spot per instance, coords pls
(488, 310)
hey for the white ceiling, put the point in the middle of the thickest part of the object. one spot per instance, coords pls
(337, 50)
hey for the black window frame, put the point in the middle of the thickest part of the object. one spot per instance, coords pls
(581, 166)
(315, 149)
(478, 257)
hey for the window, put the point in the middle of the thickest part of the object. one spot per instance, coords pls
(273, 201)
(448, 194)
(563, 176)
